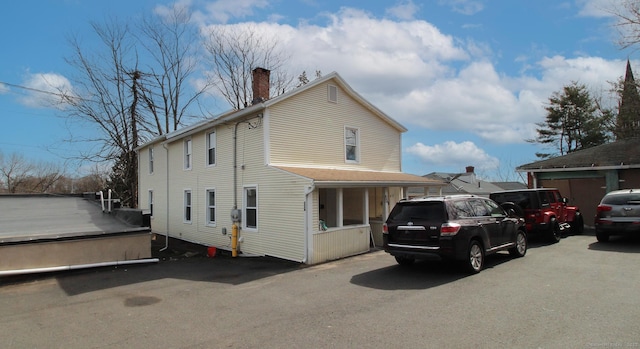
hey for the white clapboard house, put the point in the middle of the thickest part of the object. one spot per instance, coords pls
(307, 176)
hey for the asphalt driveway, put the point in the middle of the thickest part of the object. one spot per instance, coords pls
(575, 294)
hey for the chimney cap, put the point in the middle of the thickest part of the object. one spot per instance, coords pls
(470, 169)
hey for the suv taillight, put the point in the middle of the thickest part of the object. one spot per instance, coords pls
(385, 228)
(602, 208)
(449, 229)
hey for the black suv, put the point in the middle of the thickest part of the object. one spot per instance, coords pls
(544, 210)
(457, 227)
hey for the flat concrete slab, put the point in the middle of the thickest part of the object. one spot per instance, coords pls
(32, 218)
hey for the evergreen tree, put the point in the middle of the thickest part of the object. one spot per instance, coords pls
(572, 122)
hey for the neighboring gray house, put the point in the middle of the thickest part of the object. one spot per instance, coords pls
(586, 175)
(466, 183)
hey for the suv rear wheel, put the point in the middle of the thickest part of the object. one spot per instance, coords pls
(554, 231)
(520, 249)
(475, 260)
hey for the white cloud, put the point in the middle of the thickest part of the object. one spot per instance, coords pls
(465, 7)
(3, 88)
(45, 90)
(454, 155)
(429, 80)
(403, 11)
(597, 8)
(224, 10)
(392, 58)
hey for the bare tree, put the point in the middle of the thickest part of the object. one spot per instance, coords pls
(627, 13)
(21, 175)
(234, 52)
(15, 171)
(105, 88)
(173, 44)
(133, 87)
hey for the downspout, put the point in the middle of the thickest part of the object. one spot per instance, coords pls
(235, 165)
(166, 235)
(235, 215)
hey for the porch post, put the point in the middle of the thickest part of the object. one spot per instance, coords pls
(365, 214)
(385, 204)
(340, 206)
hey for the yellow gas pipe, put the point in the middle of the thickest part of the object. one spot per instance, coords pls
(234, 240)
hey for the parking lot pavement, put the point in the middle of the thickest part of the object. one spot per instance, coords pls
(577, 293)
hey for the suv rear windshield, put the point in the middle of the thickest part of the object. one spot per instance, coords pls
(526, 200)
(622, 199)
(419, 210)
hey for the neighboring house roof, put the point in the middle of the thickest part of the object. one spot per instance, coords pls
(325, 177)
(617, 155)
(232, 115)
(464, 183)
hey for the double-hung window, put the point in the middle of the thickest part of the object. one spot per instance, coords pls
(211, 207)
(150, 160)
(351, 144)
(187, 206)
(188, 149)
(251, 207)
(211, 148)
(151, 203)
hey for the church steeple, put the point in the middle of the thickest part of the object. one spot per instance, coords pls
(628, 120)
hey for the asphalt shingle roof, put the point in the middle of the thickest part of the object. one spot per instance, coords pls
(617, 154)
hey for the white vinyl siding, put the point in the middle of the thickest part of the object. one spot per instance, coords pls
(155, 183)
(321, 126)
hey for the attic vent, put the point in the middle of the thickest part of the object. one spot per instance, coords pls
(333, 94)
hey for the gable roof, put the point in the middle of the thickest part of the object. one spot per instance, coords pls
(616, 155)
(326, 177)
(233, 115)
(464, 183)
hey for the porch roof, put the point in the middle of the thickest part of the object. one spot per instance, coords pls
(328, 177)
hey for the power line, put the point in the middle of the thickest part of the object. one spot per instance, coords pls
(33, 89)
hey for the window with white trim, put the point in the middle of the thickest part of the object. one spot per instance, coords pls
(150, 160)
(250, 208)
(151, 202)
(211, 207)
(211, 148)
(187, 154)
(187, 206)
(351, 141)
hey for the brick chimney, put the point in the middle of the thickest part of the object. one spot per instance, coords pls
(472, 174)
(260, 85)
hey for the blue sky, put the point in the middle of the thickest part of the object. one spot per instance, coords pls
(468, 78)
